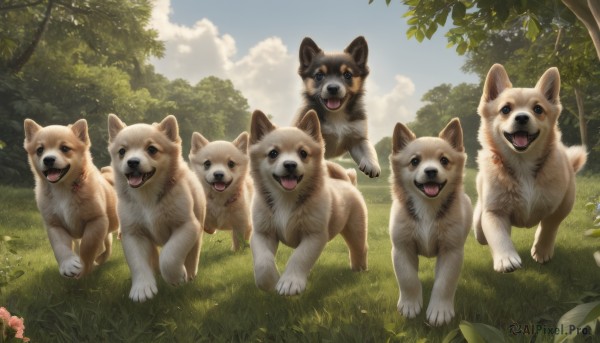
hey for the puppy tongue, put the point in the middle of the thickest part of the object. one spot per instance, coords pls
(135, 180)
(333, 103)
(53, 175)
(219, 186)
(520, 139)
(431, 189)
(289, 183)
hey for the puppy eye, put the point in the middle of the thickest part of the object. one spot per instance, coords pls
(505, 110)
(65, 148)
(319, 76)
(444, 161)
(273, 154)
(122, 152)
(207, 165)
(39, 151)
(347, 75)
(415, 162)
(538, 109)
(303, 154)
(231, 164)
(152, 150)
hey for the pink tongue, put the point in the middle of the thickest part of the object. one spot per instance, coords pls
(520, 139)
(135, 181)
(220, 186)
(333, 103)
(431, 189)
(289, 183)
(53, 175)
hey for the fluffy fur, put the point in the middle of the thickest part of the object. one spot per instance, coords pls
(526, 175)
(76, 201)
(161, 203)
(222, 168)
(297, 203)
(430, 216)
(334, 88)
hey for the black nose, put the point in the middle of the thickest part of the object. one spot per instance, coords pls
(290, 166)
(49, 161)
(219, 175)
(133, 163)
(522, 119)
(431, 173)
(333, 89)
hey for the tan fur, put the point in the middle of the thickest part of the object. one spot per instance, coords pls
(305, 217)
(227, 209)
(428, 226)
(526, 186)
(167, 209)
(80, 208)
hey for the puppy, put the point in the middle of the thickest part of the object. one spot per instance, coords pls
(76, 201)
(430, 216)
(161, 203)
(526, 175)
(297, 203)
(222, 168)
(334, 88)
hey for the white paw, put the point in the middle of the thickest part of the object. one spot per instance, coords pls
(508, 262)
(440, 312)
(291, 285)
(409, 308)
(71, 267)
(266, 276)
(541, 254)
(370, 168)
(175, 277)
(143, 290)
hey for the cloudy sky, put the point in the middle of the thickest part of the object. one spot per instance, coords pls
(255, 44)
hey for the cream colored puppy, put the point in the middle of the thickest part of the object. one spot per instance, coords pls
(430, 216)
(161, 203)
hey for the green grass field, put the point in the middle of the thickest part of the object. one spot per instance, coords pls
(223, 305)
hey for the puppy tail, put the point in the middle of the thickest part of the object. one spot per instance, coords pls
(107, 173)
(335, 171)
(577, 156)
(352, 175)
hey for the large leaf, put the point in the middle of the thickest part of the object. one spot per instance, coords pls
(592, 233)
(578, 317)
(480, 333)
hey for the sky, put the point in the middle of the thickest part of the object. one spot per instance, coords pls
(255, 43)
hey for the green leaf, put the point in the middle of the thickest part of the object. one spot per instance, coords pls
(462, 48)
(592, 233)
(441, 17)
(451, 336)
(413, 21)
(411, 32)
(533, 29)
(590, 206)
(419, 35)
(431, 30)
(458, 11)
(478, 332)
(580, 316)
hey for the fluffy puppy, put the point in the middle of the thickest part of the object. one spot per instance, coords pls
(77, 203)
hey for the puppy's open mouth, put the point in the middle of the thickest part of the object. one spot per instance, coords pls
(333, 104)
(220, 186)
(521, 140)
(137, 179)
(430, 189)
(54, 175)
(288, 182)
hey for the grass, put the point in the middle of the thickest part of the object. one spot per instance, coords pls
(223, 304)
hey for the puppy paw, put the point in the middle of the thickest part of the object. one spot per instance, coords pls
(440, 312)
(291, 285)
(542, 254)
(507, 263)
(409, 308)
(143, 290)
(176, 277)
(370, 168)
(71, 267)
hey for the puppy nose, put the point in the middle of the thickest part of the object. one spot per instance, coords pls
(290, 166)
(219, 175)
(333, 89)
(133, 163)
(49, 161)
(522, 119)
(431, 173)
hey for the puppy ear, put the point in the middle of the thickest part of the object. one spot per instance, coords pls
(359, 50)
(495, 82)
(115, 125)
(310, 124)
(453, 134)
(80, 129)
(260, 125)
(401, 137)
(170, 128)
(30, 128)
(308, 51)
(198, 142)
(241, 142)
(549, 85)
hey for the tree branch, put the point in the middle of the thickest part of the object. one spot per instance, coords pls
(588, 13)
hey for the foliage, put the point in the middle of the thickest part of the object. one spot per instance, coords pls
(10, 266)
(594, 207)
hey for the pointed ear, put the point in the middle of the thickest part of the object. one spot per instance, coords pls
(241, 142)
(31, 128)
(115, 125)
(310, 124)
(453, 134)
(359, 50)
(495, 82)
(549, 85)
(401, 137)
(308, 51)
(80, 129)
(260, 125)
(170, 128)
(198, 142)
